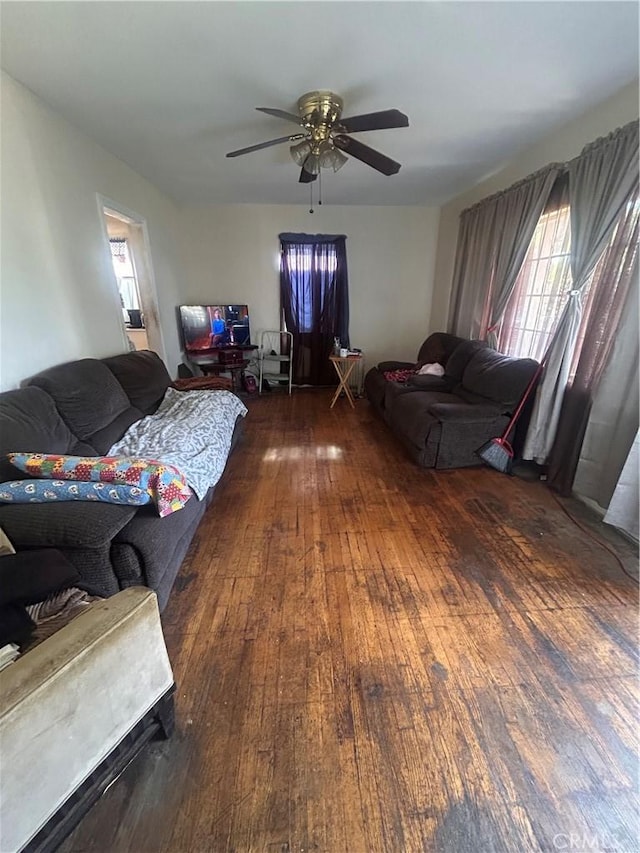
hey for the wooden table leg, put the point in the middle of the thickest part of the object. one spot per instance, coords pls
(343, 377)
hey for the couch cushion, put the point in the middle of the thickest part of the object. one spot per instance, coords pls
(428, 382)
(459, 411)
(153, 538)
(29, 421)
(106, 437)
(498, 377)
(459, 359)
(143, 377)
(66, 525)
(90, 400)
(395, 389)
(410, 415)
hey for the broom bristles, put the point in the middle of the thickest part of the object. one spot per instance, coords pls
(498, 454)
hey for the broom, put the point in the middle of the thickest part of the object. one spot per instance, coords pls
(497, 452)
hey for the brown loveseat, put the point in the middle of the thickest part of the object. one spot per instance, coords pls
(443, 420)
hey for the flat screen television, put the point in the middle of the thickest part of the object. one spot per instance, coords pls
(206, 327)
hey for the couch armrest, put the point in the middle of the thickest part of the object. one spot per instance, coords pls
(70, 524)
(465, 412)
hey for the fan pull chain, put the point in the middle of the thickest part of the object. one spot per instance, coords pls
(310, 198)
(319, 187)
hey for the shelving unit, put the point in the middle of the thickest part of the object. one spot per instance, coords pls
(276, 358)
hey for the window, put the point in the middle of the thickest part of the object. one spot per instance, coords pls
(540, 292)
(311, 270)
(541, 288)
(315, 302)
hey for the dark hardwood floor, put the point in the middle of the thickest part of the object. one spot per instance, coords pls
(375, 657)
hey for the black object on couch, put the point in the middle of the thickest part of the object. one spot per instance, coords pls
(82, 408)
(443, 420)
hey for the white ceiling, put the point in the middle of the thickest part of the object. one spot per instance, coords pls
(170, 87)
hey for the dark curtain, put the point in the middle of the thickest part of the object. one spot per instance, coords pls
(609, 288)
(314, 290)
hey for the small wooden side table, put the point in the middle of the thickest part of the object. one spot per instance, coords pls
(344, 367)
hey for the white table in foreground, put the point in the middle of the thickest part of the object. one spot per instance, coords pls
(344, 367)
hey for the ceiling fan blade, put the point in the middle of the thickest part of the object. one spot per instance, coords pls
(368, 155)
(280, 114)
(306, 177)
(260, 145)
(374, 121)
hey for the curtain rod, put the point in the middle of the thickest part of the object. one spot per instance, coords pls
(600, 142)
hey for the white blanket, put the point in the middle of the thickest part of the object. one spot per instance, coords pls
(191, 430)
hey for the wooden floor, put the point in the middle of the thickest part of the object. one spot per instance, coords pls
(375, 657)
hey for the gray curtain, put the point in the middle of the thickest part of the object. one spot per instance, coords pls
(601, 182)
(473, 267)
(518, 212)
(608, 297)
(493, 240)
(613, 421)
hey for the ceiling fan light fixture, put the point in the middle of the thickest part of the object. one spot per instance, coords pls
(312, 164)
(331, 158)
(301, 151)
(324, 135)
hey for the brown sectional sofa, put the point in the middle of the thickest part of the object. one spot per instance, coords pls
(442, 421)
(82, 408)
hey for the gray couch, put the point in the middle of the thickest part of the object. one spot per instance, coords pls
(82, 408)
(442, 421)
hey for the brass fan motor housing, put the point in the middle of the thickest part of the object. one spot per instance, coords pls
(319, 111)
(326, 136)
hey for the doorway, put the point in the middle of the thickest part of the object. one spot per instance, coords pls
(128, 245)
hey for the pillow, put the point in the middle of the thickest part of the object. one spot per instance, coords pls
(166, 485)
(434, 369)
(429, 383)
(40, 491)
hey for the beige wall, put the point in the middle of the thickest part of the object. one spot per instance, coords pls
(560, 146)
(59, 299)
(231, 254)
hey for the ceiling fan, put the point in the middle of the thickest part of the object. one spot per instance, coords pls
(325, 135)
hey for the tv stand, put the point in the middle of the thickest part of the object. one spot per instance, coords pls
(231, 358)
